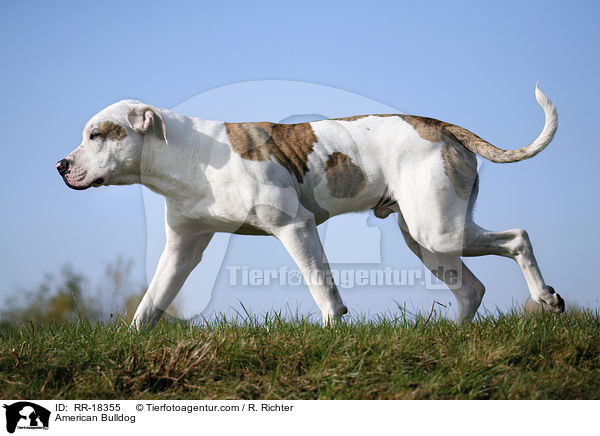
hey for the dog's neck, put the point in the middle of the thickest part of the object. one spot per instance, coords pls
(191, 143)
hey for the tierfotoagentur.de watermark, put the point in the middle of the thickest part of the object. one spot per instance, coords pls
(347, 278)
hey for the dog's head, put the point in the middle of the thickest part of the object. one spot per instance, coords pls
(110, 152)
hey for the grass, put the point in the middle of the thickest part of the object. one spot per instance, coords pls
(513, 356)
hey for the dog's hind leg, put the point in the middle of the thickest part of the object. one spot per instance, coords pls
(436, 198)
(514, 244)
(450, 269)
(301, 240)
(442, 240)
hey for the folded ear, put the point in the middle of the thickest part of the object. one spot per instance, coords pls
(146, 119)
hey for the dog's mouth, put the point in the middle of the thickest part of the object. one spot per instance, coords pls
(76, 187)
(95, 183)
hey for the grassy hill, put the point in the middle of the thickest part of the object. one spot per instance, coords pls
(533, 356)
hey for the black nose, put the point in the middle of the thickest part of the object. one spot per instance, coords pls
(62, 166)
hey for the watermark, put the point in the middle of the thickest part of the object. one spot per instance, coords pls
(344, 278)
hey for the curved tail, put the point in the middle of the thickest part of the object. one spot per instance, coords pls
(488, 151)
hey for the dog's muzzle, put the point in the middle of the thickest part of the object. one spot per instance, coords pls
(64, 168)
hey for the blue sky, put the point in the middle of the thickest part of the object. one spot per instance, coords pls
(471, 63)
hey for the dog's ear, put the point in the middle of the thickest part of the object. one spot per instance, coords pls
(146, 119)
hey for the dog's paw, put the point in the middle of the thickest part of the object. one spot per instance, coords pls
(553, 301)
(334, 317)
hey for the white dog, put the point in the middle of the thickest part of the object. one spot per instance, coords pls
(261, 178)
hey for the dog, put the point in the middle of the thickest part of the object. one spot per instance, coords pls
(263, 178)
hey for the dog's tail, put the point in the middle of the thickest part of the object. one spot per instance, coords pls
(488, 151)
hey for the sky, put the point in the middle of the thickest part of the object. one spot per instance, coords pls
(474, 64)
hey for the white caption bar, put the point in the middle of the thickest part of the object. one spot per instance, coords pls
(151, 417)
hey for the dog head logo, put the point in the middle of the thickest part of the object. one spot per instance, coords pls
(26, 415)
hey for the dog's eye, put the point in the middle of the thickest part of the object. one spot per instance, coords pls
(93, 135)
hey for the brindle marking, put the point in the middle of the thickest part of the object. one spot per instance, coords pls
(460, 164)
(250, 140)
(110, 131)
(352, 118)
(289, 144)
(344, 178)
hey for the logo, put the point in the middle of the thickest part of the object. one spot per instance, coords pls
(26, 415)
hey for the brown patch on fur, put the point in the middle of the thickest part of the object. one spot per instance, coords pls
(358, 117)
(460, 164)
(429, 129)
(111, 131)
(481, 147)
(352, 118)
(292, 143)
(289, 144)
(435, 130)
(344, 178)
(250, 140)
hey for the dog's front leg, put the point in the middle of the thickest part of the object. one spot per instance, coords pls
(180, 256)
(302, 241)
